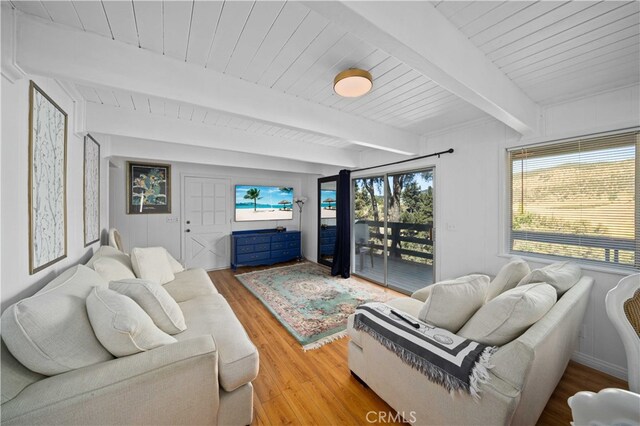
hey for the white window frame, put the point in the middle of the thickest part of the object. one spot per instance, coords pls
(506, 210)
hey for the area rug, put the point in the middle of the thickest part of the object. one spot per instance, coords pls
(311, 304)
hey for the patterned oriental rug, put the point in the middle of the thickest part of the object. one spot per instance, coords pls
(311, 304)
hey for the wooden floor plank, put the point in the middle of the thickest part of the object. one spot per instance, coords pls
(259, 415)
(279, 412)
(315, 387)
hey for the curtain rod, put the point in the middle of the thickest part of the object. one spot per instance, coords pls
(448, 151)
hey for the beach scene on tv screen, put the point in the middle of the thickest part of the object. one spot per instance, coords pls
(254, 202)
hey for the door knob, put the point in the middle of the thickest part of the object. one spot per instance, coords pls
(188, 222)
(188, 230)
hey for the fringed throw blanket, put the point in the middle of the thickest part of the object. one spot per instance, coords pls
(455, 363)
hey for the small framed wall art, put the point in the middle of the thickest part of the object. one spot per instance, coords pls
(148, 188)
(47, 181)
(91, 186)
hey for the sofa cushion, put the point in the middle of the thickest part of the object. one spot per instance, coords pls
(156, 302)
(175, 265)
(14, 377)
(237, 355)
(189, 284)
(49, 332)
(422, 294)
(112, 269)
(122, 326)
(561, 275)
(407, 305)
(451, 303)
(152, 263)
(112, 253)
(507, 316)
(508, 277)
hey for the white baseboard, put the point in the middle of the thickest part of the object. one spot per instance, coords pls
(220, 268)
(598, 364)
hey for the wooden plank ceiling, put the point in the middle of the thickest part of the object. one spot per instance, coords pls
(281, 45)
(552, 50)
(555, 50)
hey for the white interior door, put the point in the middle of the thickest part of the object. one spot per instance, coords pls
(205, 224)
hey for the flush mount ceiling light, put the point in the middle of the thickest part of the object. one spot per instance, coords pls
(352, 83)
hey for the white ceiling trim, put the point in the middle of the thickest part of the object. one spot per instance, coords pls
(119, 122)
(56, 51)
(421, 37)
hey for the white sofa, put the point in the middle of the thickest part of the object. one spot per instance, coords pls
(525, 373)
(204, 378)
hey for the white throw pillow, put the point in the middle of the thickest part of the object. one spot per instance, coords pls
(49, 332)
(175, 265)
(112, 270)
(507, 316)
(451, 303)
(112, 253)
(423, 293)
(121, 325)
(152, 264)
(508, 277)
(156, 302)
(562, 276)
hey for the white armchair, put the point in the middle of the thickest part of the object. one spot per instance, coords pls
(607, 407)
(115, 240)
(623, 309)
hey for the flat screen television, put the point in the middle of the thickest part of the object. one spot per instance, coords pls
(257, 202)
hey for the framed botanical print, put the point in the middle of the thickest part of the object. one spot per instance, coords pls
(47, 181)
(91, 189)
(148, 188)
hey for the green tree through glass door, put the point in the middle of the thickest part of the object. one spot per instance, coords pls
(393, 229)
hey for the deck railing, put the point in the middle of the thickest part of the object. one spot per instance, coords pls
(611, 246)
(400, 232)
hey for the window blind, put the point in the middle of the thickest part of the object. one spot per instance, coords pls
(578, 199)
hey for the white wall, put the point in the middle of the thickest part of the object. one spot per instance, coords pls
(471, 209)
(156, 230)
(16, 281)
(310, 218)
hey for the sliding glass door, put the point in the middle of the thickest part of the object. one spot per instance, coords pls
(410, 230)
(368, 229)
(393, 229)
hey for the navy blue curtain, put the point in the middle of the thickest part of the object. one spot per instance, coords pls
(342, 251)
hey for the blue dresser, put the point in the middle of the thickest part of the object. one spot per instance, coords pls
(263, 247)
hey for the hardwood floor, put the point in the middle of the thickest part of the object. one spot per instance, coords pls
(577, 377)
(316, 387)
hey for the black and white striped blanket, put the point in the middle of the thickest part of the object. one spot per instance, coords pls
(456, 363)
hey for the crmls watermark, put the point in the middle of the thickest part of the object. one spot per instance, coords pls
(388, 417)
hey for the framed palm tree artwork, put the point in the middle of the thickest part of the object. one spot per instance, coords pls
(148, 188)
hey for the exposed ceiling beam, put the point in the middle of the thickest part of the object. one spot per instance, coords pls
(57, 51)
(8, 66)
(142, 125)
(161, 151)
(417, 34)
